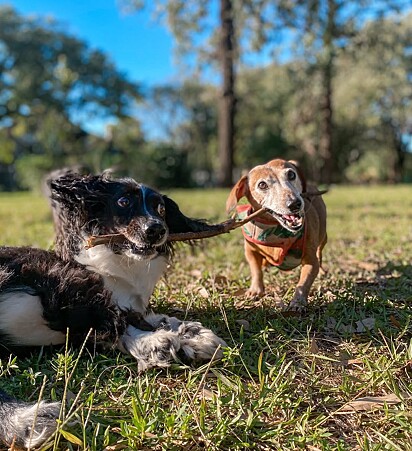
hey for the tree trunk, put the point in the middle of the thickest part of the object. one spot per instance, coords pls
(227, 100)
(329, 164)
(327, 171)
(399, 148)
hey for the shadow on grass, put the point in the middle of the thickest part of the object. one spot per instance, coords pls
(392, 282)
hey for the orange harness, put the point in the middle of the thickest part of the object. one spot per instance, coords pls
(272, 234)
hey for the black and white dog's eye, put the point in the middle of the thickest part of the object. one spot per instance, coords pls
(123, 202)
(291, 175)
(161, 209)
(263, 185)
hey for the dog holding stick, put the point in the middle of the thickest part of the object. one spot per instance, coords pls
(98, 293)
(292, 232)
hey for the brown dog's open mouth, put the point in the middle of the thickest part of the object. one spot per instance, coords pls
(292, 222)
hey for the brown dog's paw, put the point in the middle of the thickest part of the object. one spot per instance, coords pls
(254, 293)
(296, 305)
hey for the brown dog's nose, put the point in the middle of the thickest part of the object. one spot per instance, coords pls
(294, 205)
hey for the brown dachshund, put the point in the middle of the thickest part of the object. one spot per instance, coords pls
(291, 233)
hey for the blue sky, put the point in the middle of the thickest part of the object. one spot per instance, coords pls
(140, 47)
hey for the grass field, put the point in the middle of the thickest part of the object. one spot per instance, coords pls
(338, 377)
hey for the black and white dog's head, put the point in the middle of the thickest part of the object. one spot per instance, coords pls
(92, 205)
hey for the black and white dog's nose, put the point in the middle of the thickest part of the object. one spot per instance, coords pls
(155, 232)
(294, 205)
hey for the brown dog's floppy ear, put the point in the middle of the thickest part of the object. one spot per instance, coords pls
(300, 174)
(238, 191)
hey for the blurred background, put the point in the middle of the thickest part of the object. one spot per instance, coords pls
(180, 93)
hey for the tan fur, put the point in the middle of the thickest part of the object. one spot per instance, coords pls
(280, 193)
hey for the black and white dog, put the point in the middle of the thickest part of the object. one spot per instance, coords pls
(47, 296)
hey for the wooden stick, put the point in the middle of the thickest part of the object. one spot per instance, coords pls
(103, 239)
(227, 226)
(224, 227)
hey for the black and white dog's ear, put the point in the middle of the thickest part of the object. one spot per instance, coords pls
(71, 188)
(177, 222)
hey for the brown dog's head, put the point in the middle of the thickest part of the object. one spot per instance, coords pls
(277, 186)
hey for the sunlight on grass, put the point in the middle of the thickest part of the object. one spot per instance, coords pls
(285, 381)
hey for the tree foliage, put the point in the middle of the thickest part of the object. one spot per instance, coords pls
(50, 84)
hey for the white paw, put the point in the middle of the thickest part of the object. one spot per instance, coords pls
(200, 343)
(151, 349)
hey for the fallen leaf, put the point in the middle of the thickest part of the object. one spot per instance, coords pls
(368, 266)
(196, 273)
(115, 447)
(330, 296)
(243, 323)
(365, 324)
(203, 292)
(369, 403)
(207, 394)
(240, 292)
(221, 280)
(395, 322)
(313, 347)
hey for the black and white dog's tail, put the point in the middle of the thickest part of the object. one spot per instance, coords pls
(26, 425)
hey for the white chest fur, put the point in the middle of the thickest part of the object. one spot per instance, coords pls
(130, 280)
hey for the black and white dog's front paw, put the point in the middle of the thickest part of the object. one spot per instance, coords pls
(171, 340)
(200, 343)
(196, 341)
(151, 349)
(26, 425)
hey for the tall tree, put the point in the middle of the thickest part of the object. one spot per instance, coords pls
(193, 26)
(227, 100)
(373, 89)
(323, 29)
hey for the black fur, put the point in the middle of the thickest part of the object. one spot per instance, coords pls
(77, 291)
(71, 297)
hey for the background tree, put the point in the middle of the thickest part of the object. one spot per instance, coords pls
(50, 83)
(322, 31)
(186, 119)
(374, 93)
(194, 34)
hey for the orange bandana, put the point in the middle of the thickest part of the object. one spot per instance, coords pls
(268, 233)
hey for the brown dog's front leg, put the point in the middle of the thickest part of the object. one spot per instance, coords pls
(308, 273)
(255, 261)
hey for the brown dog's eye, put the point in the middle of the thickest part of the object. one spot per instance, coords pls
(263, 186)
(291, 175)
(123, 202)
(161, 210)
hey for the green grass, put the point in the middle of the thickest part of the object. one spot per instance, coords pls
(286, 379)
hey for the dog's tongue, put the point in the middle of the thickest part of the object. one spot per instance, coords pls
(292, 219)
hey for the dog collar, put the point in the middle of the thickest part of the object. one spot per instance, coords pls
(273, 234)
